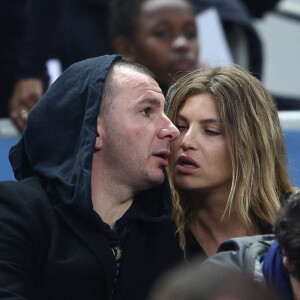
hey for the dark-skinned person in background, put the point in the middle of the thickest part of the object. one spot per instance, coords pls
(159, 34)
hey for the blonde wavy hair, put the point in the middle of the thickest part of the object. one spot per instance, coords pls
(260, 180)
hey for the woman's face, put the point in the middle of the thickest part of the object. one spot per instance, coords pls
(201, 160)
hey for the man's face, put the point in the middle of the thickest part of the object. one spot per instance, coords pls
(136, 133)
(166, 38)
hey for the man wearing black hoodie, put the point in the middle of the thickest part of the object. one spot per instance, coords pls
(90, 215)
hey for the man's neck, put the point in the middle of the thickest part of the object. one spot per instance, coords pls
(109, 210)
(110, 199)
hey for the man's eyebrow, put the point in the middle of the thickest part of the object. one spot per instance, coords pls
(210, 120)
(152, 101)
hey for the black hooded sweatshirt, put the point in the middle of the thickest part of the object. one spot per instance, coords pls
(53, 245)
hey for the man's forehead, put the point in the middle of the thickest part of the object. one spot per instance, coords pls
(132, 79)
(125, 74)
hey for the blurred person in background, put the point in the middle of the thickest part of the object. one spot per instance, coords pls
(159, 34)
(71, 31)
(74, 30)
(13, 20)
(193, 282)
(246, 46)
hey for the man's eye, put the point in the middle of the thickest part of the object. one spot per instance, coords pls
(146, 111)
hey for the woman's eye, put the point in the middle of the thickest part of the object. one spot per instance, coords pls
(181, 127)
(212, 132)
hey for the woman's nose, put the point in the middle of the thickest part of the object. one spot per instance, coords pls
(188, 140)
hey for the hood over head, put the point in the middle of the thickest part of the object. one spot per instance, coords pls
(59, 139)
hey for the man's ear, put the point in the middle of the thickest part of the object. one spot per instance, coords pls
(125, 47)
(99, 138)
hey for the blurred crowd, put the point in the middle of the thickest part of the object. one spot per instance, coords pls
(32, 32)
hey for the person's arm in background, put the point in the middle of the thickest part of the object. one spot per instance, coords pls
(38, 45)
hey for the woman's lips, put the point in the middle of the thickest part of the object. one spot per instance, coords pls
(186, 165)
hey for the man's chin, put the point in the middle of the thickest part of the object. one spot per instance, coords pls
(151, 179)
(157, 178)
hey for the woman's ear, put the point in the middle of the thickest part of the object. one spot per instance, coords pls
(125, 47)
(99, 138)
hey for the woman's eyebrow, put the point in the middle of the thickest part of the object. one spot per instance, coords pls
(181, 117)
(209, 120)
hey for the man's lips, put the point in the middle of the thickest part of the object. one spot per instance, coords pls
(163, 157)
(186, 165)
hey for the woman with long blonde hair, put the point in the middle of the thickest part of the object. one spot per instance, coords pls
(228, 169)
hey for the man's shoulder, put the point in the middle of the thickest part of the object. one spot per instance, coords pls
(26, 191)
(25, 185)
(25, 210)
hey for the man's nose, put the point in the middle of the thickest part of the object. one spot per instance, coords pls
(168, 130)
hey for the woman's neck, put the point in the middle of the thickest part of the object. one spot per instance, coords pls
(211, 227)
